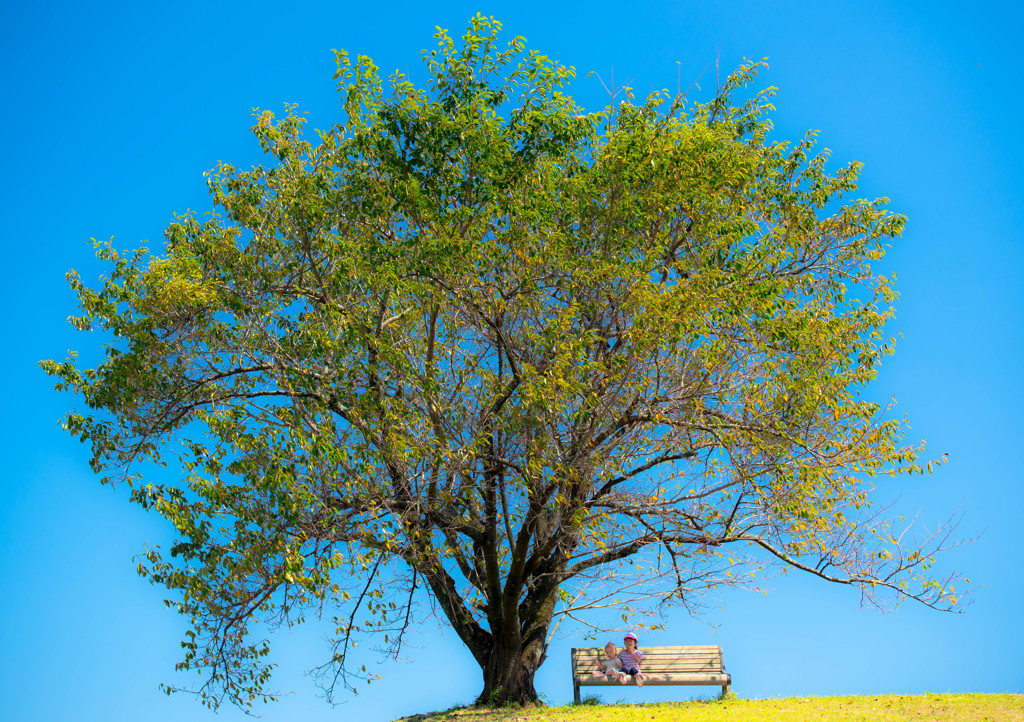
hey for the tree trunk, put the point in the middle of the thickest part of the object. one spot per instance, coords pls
(508, 675)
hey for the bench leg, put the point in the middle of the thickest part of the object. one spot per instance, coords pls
(576, 693)
(725, 690)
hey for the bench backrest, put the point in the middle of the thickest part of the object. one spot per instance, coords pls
(658, 660)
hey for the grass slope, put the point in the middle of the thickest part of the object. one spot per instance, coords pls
(966, 707)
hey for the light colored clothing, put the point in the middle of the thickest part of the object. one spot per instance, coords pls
(609, 665)
(630, 661)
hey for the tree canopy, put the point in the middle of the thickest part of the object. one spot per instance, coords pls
(479, 353)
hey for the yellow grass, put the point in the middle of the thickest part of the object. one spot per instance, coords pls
(953, 707)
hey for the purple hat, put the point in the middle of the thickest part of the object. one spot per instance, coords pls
(630, 635)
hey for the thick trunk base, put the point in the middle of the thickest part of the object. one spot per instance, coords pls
(508, 680)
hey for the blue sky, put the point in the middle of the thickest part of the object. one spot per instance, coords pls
(113, 111)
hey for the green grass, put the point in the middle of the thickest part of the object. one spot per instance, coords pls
(953, 707)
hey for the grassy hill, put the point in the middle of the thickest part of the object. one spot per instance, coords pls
(953, 707)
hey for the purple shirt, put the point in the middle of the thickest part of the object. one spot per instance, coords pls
(627, 659)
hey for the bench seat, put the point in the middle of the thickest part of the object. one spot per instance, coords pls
(662, 666)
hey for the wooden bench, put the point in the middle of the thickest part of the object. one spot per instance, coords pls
(661, 666)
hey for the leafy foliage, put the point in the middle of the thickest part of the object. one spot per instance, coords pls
(531, 360)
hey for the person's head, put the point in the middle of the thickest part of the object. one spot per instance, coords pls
(609, 650)
(630, 641)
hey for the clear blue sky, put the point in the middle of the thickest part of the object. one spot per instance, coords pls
(111, 113)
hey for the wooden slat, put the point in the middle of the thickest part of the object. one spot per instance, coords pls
(659, 680)
(668, 666)
(673, 668)
(703, 659)
(656, 655)
(663, 670)
(659, 663)
(669, 660)
(663, 667)
(671, 650)
(678, 652)
(662, 660)
(655, 652)
(652, 653)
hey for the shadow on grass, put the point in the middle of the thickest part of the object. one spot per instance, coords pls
(516, 713)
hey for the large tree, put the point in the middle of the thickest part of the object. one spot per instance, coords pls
(480, 351)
